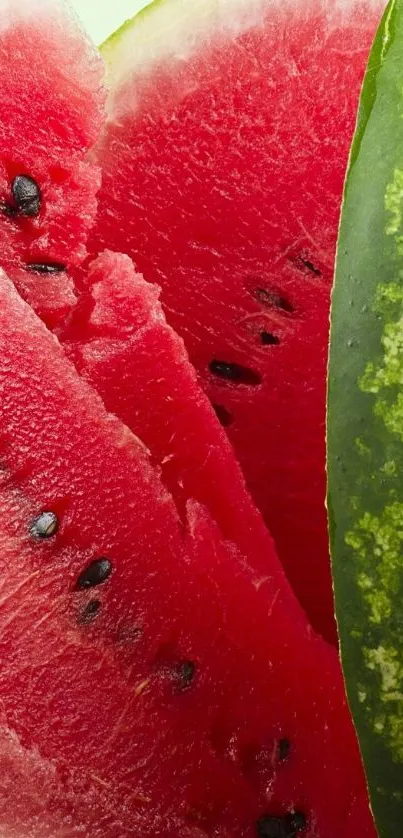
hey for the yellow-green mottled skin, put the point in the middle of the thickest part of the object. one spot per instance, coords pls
(365, 426)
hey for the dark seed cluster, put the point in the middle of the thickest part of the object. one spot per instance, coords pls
(26, 201)
(46, 525)
(184, 672)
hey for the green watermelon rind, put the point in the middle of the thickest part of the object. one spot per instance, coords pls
(365, 426)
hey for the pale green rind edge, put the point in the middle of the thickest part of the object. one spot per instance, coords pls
(174, 30)
(364, 431)
(108, 46)
(140, 33)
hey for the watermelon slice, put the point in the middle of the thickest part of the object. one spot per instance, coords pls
(185, 439)
(223, 163)
(150, 682)
(51, 110)
(193, 452)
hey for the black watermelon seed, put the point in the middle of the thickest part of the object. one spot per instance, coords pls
(268, 339)
(310, 266)
(27, 195)
(45, 525)
(185, 672)
(223, 415)
(89, 612)
(235, 373)
(296, 823)
(286, 826)
(46, 267)
(284, 748)
(272, 299)
(95, 574)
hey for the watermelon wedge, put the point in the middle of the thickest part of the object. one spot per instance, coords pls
(51, 110)
(197, 461)
(162, 687)
(223, 161)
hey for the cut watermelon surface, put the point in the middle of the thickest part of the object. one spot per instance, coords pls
(151, 682)
(139, 378)
(51, 108)
(119, 340)
(223, 164)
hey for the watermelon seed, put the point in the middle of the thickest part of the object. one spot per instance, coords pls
(46, 267)
(95, 574)
(297, 821)
(235, 372)
(284, 748)
(185, 672)
(268, 339)
(45, 525)
(273, 300)
(287, 826)
(310, 266)
(223, 415)
(27, 195)
(90, 612)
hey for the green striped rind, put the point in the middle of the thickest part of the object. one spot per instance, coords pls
(365, 426)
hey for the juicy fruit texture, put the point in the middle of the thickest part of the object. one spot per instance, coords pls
(119, 340)
(51, 108)
(152, 699)
(223, 165)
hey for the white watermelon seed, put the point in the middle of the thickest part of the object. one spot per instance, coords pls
(45, 525)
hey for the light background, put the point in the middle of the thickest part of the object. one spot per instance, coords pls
(102, 17)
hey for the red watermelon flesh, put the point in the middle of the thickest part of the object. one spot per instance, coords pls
(51, 110)
(193, 452)
(179, 696)
(119, 340)
(223, 163)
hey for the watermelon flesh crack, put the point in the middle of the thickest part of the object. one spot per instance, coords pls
(51, 111)
(119, 340)
(223, 163)
(164, 706)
